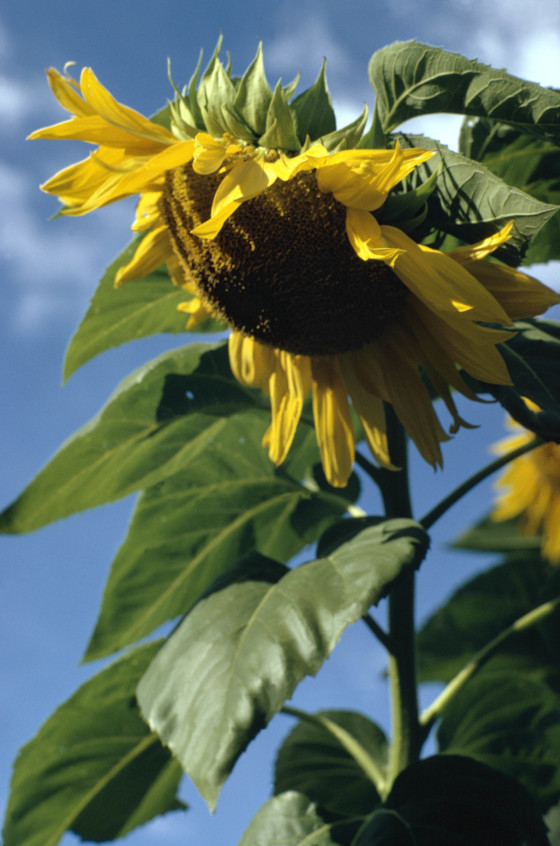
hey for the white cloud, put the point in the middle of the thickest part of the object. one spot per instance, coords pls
(52, 266)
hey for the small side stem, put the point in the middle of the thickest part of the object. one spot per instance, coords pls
(379, 633)
(430, 518)
(430, 715)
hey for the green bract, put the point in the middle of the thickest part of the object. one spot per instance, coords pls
(247, 108)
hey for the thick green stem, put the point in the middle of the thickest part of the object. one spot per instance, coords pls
(405, 743)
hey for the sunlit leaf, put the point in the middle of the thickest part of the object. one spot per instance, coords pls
(290, 820)
(191, 527)
(448, 800)
(412, 79)
(312, 761)
(140, 308)
(94, 767)
(157, 422)
(532, 164)
(240, 653)
(470, 202)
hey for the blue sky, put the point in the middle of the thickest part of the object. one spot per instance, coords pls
(52, 581)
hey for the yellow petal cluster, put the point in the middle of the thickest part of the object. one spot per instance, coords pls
(530, 488)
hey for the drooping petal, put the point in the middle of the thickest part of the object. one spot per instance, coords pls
(289, 385)
(369, 408)
(364, 234)
(519, 294)
(153, 250)
(333, 423)
(475, 252)
(441, 283)
(251, 363)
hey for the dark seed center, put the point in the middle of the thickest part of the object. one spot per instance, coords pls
(282, 269)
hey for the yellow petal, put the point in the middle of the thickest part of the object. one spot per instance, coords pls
(251, 363)
(209, 153)
(333, 423)
(411, 400)
(154, 249)
(362, 179)
(476, 252)
(519, 294)
(370, 410)
(289, 384)
(113, 112)
(441, 283)
(64, 89)
(147, 211)
(364, 234)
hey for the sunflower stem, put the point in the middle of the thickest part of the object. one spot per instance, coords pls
(439, 510)
(405, 743)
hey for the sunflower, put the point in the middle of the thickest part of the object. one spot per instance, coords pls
(530, 488)
(270, 218)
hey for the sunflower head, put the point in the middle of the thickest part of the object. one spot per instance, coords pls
(301, 237)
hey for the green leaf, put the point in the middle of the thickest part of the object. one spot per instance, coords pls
(312, 761)
(194, 525)
(448, 800)
(412, 79)
(289, 820)
(94, 768)
(470, 203)
(499, 536)
(483, 608)
(240, 653)
(509, 721)
(281, 130)
(157, 422)
(348, 136)
(254, 95)
(532, 164)
(142, 307)
(314, 110)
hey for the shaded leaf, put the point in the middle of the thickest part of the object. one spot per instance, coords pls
(509, 721)
(412, 79)
(448, 800)
(480, 610)
(240, 653)
(499, 536)
(312, 761)
(532, 164)
(94, 767)
(191, 527)
(470, 203)
(142, 307)
(157, 422)
(290, 820)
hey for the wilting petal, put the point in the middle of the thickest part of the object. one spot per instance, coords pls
(154, 249)
(289, 384)
(333, 423)
(364, 233)
(251, 363)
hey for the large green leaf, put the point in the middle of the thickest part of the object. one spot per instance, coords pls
(94, 767)
(191, 527)
(480, 610)
(157, 422)
(140, 308)
(470, 202)
(532, 164)
(448, 800)
(312, 761)
(412, 79)
(509, 721)
(240, 653)
(287, 820)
